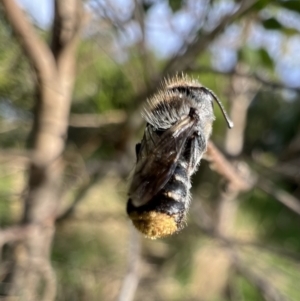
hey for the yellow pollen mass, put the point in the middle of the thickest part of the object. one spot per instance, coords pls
(154, 224)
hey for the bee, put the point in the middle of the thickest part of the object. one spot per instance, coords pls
(179, 123)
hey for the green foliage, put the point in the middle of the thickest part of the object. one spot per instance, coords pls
(293, 5)
(101, 85)
(271, 23)
(246, 290)
(272, 123)
(175, 5)
(256, 59)
(261, 4)
(273, 223)
(16, 83)
(5, 199)
(274, 24)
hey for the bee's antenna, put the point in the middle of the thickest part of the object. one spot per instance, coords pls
(228, 121)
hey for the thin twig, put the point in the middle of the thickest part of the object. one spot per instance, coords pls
(256, 76)
(97, 120)
(208, 227)
(84, 189)
(145, 57)
(37, 50)
(263, 183)
(131, 279)
(264, 286)
(182, 61)
(220, 164)
(280, 195)
(96, 172)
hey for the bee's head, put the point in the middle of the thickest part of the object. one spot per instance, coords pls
(192, 89)
(204, 96)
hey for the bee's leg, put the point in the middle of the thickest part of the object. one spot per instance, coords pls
(137, 149)
(194, 152)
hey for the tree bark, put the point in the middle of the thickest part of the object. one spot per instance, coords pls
(32, 275)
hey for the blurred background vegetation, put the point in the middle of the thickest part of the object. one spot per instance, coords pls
(250, 58)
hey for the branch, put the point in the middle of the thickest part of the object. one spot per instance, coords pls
(262, 283)
(78, 198)
(97, 120)
(209, 228)
(36, 49)
(256, 76)
(14, 234)
(233, 247)
(181, 62)
(96, 172)
(145, 57)
(289, 169)
(48, 274)
(220, 164)
(280, 195)
(15, 155)
(263, 183)
(225, 168)
(131, 279)
(69, 18)
(56, 75)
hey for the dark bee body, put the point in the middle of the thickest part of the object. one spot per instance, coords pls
(179, 123)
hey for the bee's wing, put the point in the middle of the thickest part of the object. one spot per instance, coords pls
(148, 144)
(157, 160)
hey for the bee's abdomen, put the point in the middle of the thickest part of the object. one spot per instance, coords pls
(177, 188)
(165, 213)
